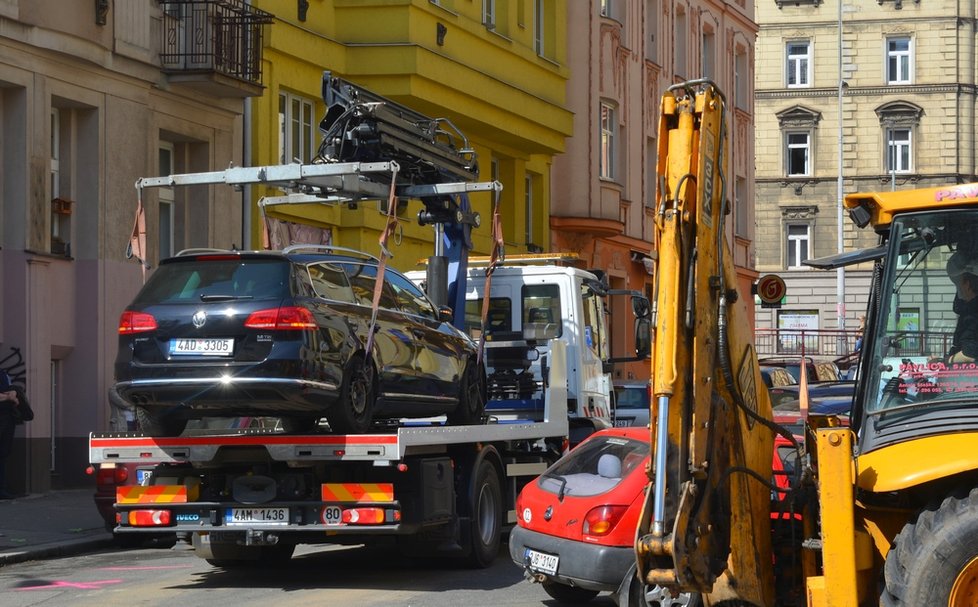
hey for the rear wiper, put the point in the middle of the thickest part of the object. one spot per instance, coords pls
(563, 485)
(224, 297)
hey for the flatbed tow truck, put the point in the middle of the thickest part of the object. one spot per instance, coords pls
(433, 489)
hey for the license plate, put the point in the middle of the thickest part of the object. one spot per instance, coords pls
(143, 477)
(624, 422)
(265, 516)
(544, 563)
(201, 347)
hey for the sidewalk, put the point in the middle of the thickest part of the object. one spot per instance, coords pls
(58, 523)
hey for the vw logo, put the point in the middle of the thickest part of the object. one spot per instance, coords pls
(199, 318)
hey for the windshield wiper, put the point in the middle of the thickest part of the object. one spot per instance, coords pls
(563, 485)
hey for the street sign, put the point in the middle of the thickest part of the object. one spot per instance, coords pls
(771, 289)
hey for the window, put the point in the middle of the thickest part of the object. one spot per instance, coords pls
(679, 61)
(528, 210)
(797, 154)
(709, 54)
(898, 60)
(489, 13)
(606, 8)
(538, 27)
(741, 211)
(409, 297)
(651, 27)
(60, 221)
(608, 134)
(651, 156)
(166, 196)
(799, 64)
(296, 130)
(898, 157)
(799, 239)
(742, 78)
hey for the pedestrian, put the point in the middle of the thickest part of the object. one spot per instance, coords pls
(8, 423)
(859, 332)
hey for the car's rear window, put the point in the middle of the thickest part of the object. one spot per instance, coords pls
(594, 467)
(194, 281)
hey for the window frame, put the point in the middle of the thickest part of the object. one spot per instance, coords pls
(893, 149)
(608, 125)
(166, 199)
(898, 61)
(798, 65)
(794, 244)
(788, 147)
(287, 122)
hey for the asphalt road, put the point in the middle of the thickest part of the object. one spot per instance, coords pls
(354, 576)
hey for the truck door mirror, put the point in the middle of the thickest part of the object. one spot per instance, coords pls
(641, 308)
(643, 337)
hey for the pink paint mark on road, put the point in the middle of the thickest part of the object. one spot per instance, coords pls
(79, 585)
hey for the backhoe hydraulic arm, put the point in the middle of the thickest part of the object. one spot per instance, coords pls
(705, 526)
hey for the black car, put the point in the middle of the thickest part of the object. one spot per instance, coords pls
(284, 334)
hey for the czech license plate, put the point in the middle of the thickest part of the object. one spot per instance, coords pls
(201, 347)
(544, 563)
(623, 422)
(265, 516)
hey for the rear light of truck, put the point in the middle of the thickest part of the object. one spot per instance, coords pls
(136, 322)
(601, 520)
(285, 318)
(149, 518)
(110, 476)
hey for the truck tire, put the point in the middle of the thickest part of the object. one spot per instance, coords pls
(471, 402)
(485, 509)
(353, 413)
(934, 560)
(154, 422)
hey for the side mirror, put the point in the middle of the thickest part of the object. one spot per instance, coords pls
(640, 307)
(643, 337)
(446, 314)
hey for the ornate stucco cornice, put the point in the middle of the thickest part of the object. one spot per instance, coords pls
(871, 91)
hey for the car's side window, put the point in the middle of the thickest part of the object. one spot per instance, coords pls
(362, 280)
(330, 282)
(409, 297)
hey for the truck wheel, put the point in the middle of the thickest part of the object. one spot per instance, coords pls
(354, 411)
(159, 423)
(934, 560)
(568, 594)
(485, 516)
(471, 404)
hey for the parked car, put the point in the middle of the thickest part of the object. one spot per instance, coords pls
(783, 386)
(631, 404)
(576, 522)
(259, 333)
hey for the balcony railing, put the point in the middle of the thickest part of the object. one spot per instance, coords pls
(832, 344)
(213, 36)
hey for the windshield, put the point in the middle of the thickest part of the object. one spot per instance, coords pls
(594, 467)
(925, 344)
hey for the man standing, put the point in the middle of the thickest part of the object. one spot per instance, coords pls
(964, 274)
(8, 423)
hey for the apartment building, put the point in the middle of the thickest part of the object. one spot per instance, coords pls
(625, 54)
(869, 95)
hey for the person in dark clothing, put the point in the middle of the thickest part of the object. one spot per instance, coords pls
(8, 423)
(964, 274)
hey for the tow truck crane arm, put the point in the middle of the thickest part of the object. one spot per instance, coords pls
(705, 526)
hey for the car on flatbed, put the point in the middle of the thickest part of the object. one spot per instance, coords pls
(285, 333)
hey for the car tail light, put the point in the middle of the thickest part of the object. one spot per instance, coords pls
(601, 520)
(110, 476)
(285, 318)
(136, 322)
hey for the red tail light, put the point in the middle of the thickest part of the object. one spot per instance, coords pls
(136, 322)
(286, 318)
(601, 520)
(110, 476)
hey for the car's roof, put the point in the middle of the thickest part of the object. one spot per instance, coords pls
(297, 253)
(634, 432)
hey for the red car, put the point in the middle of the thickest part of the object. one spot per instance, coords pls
(577, 521)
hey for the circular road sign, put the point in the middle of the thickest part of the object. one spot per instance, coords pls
(770, 288)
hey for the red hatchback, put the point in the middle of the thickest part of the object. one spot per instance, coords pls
(577, 521)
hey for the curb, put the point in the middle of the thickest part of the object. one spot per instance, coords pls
(55, 550)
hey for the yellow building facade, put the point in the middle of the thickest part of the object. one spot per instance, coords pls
(497, 71)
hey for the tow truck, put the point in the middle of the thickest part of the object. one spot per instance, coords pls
(883, 509)
(254, 494)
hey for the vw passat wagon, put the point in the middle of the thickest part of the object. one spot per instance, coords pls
(284, 334)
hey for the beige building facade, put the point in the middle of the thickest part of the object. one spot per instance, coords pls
(89, 96)
(906, 71)
(623, 55)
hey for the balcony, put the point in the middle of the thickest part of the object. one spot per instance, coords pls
(213, 46)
